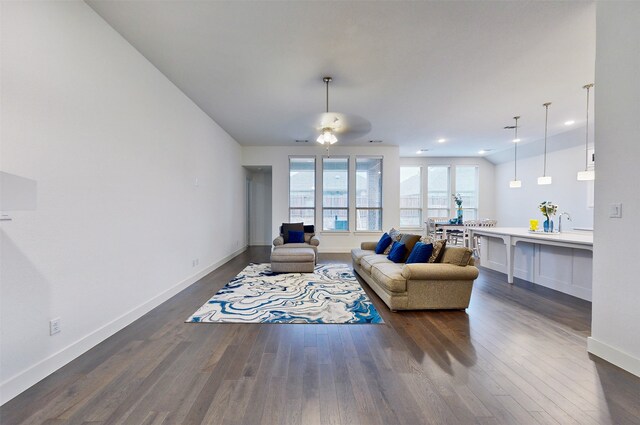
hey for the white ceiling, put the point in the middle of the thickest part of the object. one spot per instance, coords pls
(418, 71)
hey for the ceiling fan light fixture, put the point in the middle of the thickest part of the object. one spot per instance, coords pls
(327, 136)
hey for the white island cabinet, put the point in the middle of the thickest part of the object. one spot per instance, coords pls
(561, 261)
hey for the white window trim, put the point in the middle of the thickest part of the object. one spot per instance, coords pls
(315, 186)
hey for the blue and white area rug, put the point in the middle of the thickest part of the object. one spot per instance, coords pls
(331, 294)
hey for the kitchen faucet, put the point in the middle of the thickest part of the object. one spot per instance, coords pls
(560, 220)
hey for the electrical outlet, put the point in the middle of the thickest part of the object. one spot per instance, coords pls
(197, 261)
(55, 326)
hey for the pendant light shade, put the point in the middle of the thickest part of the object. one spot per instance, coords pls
(545, 179)
(587, 174)
(515, 183)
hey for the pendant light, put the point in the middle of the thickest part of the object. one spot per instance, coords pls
(587, 174)
(515, 183)
(545, 179)
(327, 137)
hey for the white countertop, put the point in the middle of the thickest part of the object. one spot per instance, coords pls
(576, 237)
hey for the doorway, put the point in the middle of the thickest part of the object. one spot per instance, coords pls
(259, 193)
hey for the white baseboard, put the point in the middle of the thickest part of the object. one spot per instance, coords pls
(34, 374)
(613, 355)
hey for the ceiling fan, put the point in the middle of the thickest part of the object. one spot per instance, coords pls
(330, 127)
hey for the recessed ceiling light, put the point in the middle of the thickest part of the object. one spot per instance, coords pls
(301, 141)
(483, 151)
(570, 122)
(516, 140)
(375, 141)
(421, 150)
(442, 140)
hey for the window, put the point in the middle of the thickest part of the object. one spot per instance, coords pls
(368, 193)
(302, 190)
(438, 191)
(467, 186)
(335, 193)
(410, 196)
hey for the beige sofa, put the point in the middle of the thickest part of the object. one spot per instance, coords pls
(418, 286)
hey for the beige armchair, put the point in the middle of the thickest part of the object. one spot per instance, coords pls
(310, 240)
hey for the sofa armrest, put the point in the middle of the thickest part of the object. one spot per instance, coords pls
(314, 241)
(278, 241)
(368, 246)
(438, 271)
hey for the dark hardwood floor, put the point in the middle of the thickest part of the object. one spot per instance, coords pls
(516, 356)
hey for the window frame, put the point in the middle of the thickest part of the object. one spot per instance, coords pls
(355, 191)
(449, 185)
(477, 189)
(420, 209)
(348, 207)
(315, 185)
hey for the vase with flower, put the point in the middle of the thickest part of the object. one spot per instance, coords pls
(548, 209)
(458, 200)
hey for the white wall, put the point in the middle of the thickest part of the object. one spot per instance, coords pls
(517, 206)
(616, 292)
(260, 208)
(278, 159)
(486, 177)
(115, 149)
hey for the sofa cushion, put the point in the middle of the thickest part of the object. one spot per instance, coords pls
(389, 276)
(409, 242)
(398, 252)
(395, 236)
(421, 253)
(383, 243)
(456, 255)
(367, 262)
(438, 250)
(291, 226)
(357, 254)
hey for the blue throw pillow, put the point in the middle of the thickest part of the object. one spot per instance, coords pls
(420, 253)
(397, 253)
(383, 243)
(296, 236)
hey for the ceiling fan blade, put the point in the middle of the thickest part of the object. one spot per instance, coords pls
(345, 126)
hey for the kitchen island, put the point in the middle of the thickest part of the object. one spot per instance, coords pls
(561, 261)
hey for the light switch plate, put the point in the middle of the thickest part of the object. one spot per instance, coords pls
(615, 210)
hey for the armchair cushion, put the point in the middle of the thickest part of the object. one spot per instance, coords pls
(296, 236)
(286, 227)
